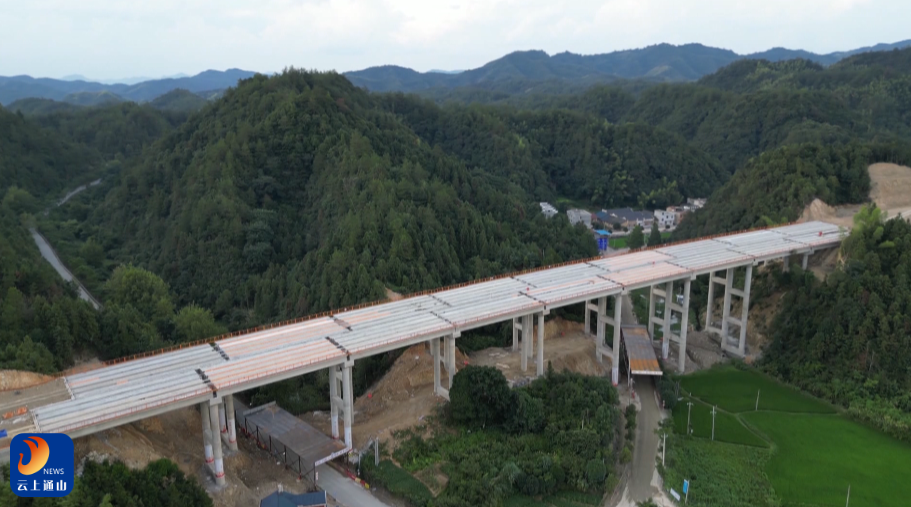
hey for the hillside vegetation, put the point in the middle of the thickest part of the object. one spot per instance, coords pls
(300, 193)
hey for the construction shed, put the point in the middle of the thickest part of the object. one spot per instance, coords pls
(639, 352)
(296, 444)
(283, 499)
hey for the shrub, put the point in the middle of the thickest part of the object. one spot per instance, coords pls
(595, 472)
(396, 481)
(626, 455)
(479, 397)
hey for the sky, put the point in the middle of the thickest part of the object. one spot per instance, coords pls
(108, 39)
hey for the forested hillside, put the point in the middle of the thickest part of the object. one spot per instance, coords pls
(776, 186)
(118, 130)
(300, 193)
(847, 339)
(36, 160)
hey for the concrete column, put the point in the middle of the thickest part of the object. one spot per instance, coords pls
(651, 311)
(527, 338)
(540, 360)
(726, 308)
(450, 358)
(588, 318)
(803, 262)
(206, 432)
(515, 334)
(786, 263)
(214, 409)
(684, 324)
(710, 311)
(666, 326)
(232, 427)
(435, 352)
(615, 353)
(348, 398)
(334, 395)
(602, 313)
(745, 311)
(221, 418)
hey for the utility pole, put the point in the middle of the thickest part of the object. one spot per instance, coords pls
(713, 422)
(664, 453)
(757, 398)
(689, 408)
(849, 496)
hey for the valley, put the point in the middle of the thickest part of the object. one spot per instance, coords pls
(206, 223)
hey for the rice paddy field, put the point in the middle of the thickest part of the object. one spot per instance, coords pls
(812, 453)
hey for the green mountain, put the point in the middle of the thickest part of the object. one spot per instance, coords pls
(179, 100)
(304, 193)
(31, 107)
(36, 160)
(102, 98)
(658, 63)
(19, 87)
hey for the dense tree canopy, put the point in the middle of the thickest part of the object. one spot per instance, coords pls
(847, 338)
(159, 484)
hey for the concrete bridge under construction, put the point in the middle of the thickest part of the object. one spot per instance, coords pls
(208, 374)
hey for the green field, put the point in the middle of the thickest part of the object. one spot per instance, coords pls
(720, 475)
(728, 427)
(815, 452)
(819, 455)
(735, 391)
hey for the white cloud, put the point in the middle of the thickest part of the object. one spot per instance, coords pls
(107, 38)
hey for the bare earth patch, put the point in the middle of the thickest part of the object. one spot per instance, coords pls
(890, 189)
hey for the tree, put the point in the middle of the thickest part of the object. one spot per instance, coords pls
(654, 237)
(636, 239)
(479, 397)
(141, 289)
(193, 323)
(527, 415)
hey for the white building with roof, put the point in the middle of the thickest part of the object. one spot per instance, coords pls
(548, 209)
(579, 215)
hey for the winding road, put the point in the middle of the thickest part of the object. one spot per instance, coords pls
(47, 251)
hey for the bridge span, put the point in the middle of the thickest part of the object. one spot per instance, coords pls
(206, 375)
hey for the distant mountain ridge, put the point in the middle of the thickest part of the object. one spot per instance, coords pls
(661, 62)
(19, 87)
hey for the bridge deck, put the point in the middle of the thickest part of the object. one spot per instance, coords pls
(121, 393)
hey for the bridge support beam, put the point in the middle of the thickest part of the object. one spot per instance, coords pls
(232, 427)
(215, 420)
(528, 340)
(666, 294)
(516, 326)
(786, 263)
(684, 326)
(222, 423)
(670, 306)
(206, 432)
(341, 399)
(539, 361)
(651, 311)
(601, 348)
(601, 320)
(729, 343)
(444, 355)
(803, 262)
